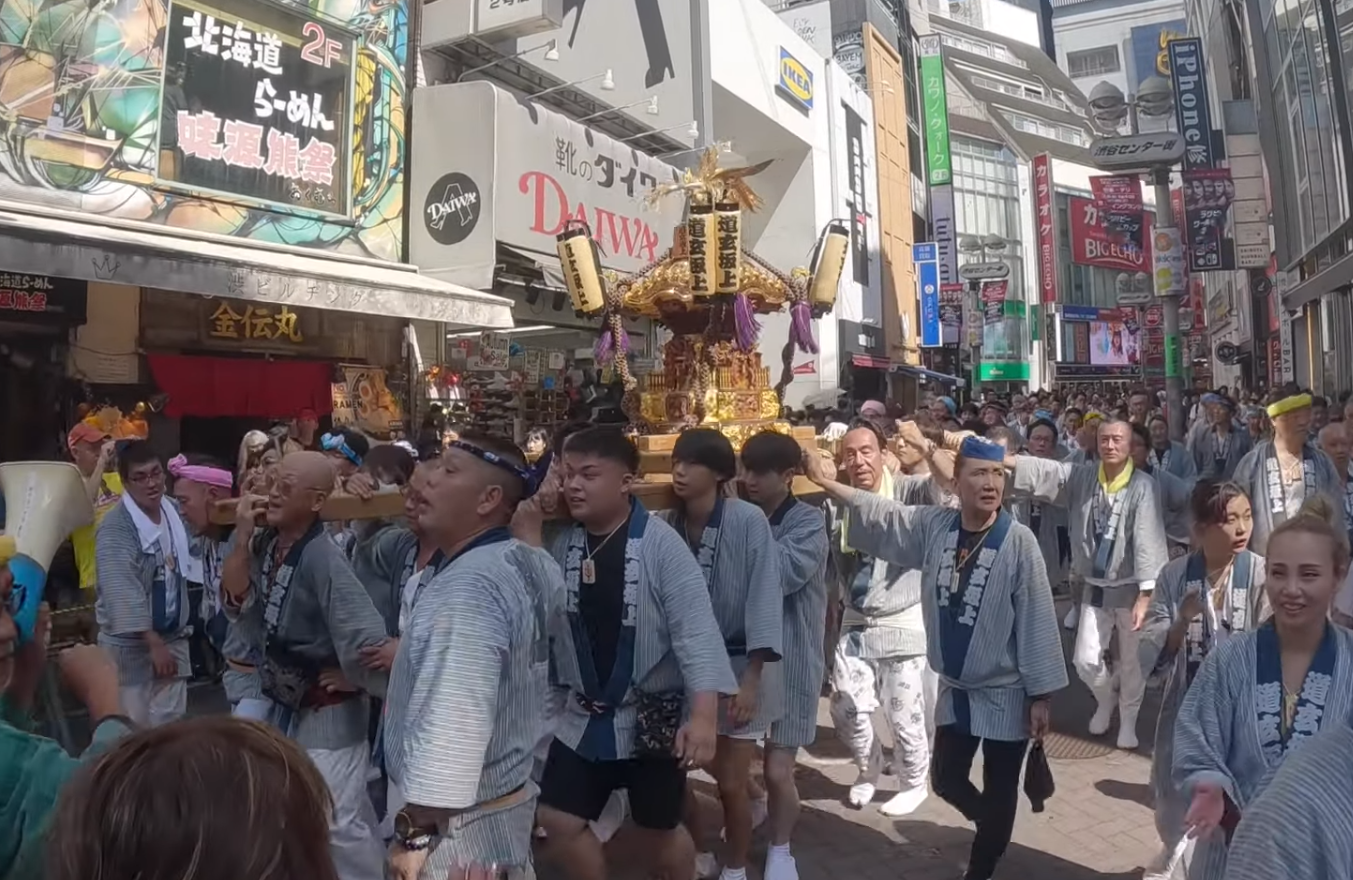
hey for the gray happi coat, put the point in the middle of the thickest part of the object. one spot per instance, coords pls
(1205, 448)
(677, 644)
(1252, 475)
(1178, 461)
(383, 558)
(1218, 736)
(1053, 538)
(1298, 828)
(801, 532)
(882, 599)
(741, 563)
(325, 619)
(1249, 608)
(463, 709)
(1014, 652)
(125, 606)
(1139, 550)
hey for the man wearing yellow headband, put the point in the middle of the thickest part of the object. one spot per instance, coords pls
(1282, 473)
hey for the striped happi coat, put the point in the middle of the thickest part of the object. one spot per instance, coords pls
(739, 558)
(1249, 607)
(383, 560)
(1014, 651)
(463, 708)
(801, 532)
(1226, 718)
(1206, 451)
(325, 619)
(1050, 528)
(1300, 827)
(669, 642)
(1176, 460)
(1139, 551)
(124, 607)
(1252, 475)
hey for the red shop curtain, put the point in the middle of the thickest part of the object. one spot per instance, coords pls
(209, 387)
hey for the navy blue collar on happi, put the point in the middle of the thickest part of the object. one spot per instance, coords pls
(778, 515)
(1276, 735)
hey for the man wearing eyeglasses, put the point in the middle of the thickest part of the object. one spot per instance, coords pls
(141, 552)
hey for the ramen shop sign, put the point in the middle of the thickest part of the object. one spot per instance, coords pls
(257, 105)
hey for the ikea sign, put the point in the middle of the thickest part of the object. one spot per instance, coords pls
(796, 81)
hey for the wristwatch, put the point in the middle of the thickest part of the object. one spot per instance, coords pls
(410, 835)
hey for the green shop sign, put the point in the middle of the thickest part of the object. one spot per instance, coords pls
(936, 105)
(1003, 371)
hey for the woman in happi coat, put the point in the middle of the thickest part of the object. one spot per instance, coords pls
(733, 543)
(1281, 474)
(1218, 444)
(990, 625)
(1200, 601)
(1263, 694)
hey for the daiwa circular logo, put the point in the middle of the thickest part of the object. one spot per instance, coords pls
(451, 211)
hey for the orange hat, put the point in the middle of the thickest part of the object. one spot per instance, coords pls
(84, 432)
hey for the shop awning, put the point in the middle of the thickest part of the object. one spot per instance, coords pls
(1340, 274)
(931, 375)
(69, 245)
(870, 362)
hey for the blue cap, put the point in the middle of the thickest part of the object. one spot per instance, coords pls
(949, 404)
(1212, 397)
(1044, 415)
(982, 449)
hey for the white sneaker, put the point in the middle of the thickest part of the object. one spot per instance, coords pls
(1073, 617)
(1127, 731)
(706, 866)
(781, 868)
(861, 793)
(905, 802)
(760, 812)
(1099, 722)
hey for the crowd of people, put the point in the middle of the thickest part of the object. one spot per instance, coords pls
(528, 659)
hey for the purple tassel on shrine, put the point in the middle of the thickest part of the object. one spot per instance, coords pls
(801, 327)
(604, 350)
(744, 321)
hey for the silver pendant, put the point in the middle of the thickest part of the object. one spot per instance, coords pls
(589, 572)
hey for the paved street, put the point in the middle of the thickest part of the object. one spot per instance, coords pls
(1098, 825)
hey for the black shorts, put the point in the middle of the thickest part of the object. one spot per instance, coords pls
(574, 785)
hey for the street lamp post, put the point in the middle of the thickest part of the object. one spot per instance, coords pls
(1109, 108)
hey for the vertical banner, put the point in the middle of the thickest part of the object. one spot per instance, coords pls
(951, 313)
(1047, 229)
(926, 257)
(993, 301)
(1208, 193)
(859, 208)
(1119, 199)
(936, 106)
(1189, 78)
(1168, 257)
(944, 227)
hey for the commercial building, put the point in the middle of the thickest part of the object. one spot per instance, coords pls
(1120, 43)
(205, 190)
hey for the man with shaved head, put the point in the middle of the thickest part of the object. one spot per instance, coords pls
(316, 618)
(472, 670)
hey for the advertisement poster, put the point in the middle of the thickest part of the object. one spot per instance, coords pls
(951, 312)
(1168, 262)
(1119, 197)
(257, 104)
(1208, 193)
(1188, 76)
(926, 257)
(1047, 229)
(1094, 244)
(993, 301)
(1151, 49)
(374, 409)
(936, 106)
(1112, 345)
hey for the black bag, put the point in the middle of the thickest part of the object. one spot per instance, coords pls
(659, 719)
(1038, 784)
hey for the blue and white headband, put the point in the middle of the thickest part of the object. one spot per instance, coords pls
(529, 483)
(338, 443)
(981, 449)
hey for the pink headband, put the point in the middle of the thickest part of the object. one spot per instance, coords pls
(198, 473)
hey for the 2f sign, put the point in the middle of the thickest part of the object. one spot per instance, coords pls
(319, 48)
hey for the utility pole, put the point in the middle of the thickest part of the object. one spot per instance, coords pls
(1174, 342)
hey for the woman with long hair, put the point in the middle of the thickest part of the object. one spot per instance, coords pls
(1262, 694)
(1200, 601)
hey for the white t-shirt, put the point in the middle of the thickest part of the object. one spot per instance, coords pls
(171, 565)
(406, 597)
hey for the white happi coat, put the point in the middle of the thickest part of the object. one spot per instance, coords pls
(1228, 730)
(1258, 475)
(1004, 647)
(1244, 607)
(669, 638)
(1300, 827)
(740, 561)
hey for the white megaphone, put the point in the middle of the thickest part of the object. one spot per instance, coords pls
(44, 502)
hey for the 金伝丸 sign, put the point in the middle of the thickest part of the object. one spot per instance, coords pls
(258, 103)
(233, 320)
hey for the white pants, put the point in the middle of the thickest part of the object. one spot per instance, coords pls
(906, 688)
(252, 709)
(359, 854)
(158, 702)
(1097, 626)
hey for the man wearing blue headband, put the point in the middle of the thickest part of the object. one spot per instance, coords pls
(469, 676)
(1118, 547)
(991, 631)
